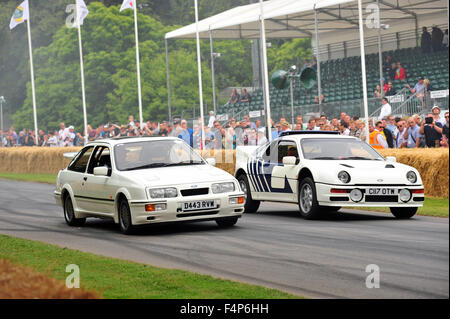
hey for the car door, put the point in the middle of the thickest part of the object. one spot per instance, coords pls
(284, 177)
(76, 172)
(258, 183)
(98, 190)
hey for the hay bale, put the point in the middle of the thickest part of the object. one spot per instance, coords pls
(18, 282)
(432, 164)
(34, 160)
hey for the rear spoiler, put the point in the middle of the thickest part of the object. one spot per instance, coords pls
(244, 152)
(70, 155)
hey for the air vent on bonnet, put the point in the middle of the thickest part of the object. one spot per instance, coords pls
(389, 166)
(346, 165)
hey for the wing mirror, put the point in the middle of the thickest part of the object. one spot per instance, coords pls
(391, 159)
(101, 171)
(289, 160)
(211, 161)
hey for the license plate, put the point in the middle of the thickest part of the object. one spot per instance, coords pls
(199, 205)
(382, 191)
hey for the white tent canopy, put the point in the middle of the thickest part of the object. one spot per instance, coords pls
(295, 18)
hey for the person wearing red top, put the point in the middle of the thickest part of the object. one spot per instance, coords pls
(400, 74)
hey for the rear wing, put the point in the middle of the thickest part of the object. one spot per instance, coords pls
(243, 153)
(70, 155)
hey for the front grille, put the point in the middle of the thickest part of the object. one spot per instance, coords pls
(194, 191)
(381, 199)
(339, 199)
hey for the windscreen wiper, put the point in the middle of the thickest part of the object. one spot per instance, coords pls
(323, 158)
(358, 158)
(152, 165)
(185, 163)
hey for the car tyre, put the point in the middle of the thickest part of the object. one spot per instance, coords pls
(226, 222)
(307, 200)
(69, 213)
(251, 206)
(403, 212)
(125, 223)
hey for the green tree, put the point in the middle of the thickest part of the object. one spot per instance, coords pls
(110, 73)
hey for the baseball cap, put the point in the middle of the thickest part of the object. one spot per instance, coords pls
(71, 127)
(284, 123)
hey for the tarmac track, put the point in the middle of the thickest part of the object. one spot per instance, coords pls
(275, 248)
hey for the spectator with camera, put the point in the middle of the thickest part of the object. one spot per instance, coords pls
(431, 130)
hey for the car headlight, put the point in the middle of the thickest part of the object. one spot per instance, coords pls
(163, 192)
(411, 176)
(222, 188)
(344, 177)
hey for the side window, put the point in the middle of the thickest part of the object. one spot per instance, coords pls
(80, 163)
(287, 148)
(101, 157)
(270, 154)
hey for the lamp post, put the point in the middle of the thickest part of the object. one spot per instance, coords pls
(2, 99)
(214, 55)
(292, 70)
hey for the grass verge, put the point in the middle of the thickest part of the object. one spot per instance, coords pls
(40, 178)
(115, 278)
(437, 207)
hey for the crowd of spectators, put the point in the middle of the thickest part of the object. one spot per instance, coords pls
(386, 131)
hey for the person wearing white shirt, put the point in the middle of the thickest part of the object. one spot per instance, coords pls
(70, 136)
(386, 109)
(52, 140)
(62, 134)
(437, 115)
(400, 141)
(344, 129)
(212, 119)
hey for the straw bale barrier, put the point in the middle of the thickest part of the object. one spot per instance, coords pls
(433, 164)
(18, 282)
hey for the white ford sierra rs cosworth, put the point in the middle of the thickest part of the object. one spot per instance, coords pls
(146, 180)
(323, 171)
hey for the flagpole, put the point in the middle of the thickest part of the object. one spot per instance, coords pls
(32, 80)
(265, 70)
(138, 64)
(200, 86)
(83, 92)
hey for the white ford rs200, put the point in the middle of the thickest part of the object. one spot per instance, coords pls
(323, 171)
(139, 181)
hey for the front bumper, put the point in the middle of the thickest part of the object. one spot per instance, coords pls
(326, 197)
(58, 198)
(175, 213)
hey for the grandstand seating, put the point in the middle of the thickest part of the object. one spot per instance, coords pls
(341, 80)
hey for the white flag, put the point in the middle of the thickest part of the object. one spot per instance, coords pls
(82, 11)
(21, 14)
(127, 4)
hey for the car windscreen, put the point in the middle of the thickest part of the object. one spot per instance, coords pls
(151, 154)
(337, 149)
